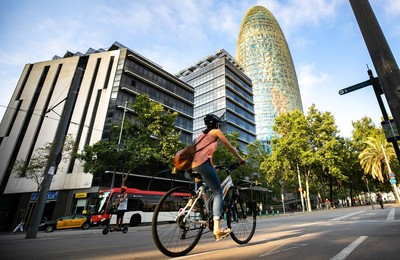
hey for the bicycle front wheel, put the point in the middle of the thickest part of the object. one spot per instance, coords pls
(176, 231)
(241, 218)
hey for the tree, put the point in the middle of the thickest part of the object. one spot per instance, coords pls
(372, 158)
(149, 141)
(307, 142)
(362, 130)
(280, 168)
(33, 169)
(376, 157)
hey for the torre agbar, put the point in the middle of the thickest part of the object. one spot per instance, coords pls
(263, 52)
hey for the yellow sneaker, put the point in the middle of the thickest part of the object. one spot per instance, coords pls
(220, 234)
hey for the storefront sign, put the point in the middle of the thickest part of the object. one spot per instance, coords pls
(52, 195)
(81, 195)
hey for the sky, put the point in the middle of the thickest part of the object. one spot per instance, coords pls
(324, 39)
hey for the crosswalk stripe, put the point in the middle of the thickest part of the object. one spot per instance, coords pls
(390, 216)
(350, 248)
(348, 215)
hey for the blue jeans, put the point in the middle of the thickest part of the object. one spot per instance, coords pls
(211, 178)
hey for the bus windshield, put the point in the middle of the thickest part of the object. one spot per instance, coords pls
(101, 202)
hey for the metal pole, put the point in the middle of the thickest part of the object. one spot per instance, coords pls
(378, 92)
(300, 188)
(369, 194)
(396, 193)
(119, 141)
(55, 156)
(381, 55)
(122, 124)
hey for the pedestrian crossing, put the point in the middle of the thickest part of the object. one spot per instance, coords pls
(388, 214)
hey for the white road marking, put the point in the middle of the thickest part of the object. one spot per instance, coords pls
(348, 215)
(286, 248)
(391, 214)
(350, 248)
(199, 254)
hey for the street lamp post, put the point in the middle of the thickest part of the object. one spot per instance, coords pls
(300, 188)
(119, 140)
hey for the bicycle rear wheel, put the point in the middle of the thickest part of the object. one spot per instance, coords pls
(176, 236)
(241, 218)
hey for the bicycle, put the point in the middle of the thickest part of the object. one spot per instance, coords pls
(182, 214)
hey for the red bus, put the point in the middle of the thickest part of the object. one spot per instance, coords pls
(141, 205)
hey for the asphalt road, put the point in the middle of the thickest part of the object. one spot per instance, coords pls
(348, 233)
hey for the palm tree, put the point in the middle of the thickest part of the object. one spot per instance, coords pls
(376, 157)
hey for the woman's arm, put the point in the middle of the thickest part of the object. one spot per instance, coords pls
(218, 133)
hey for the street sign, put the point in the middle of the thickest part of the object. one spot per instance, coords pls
(392, 180)
(391, 175)
(354, 87)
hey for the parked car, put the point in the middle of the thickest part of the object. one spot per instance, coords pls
(69, 221)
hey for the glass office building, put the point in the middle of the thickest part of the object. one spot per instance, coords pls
(223, 89)
(263, 52)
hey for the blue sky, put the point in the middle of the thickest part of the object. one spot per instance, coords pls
(325, 41)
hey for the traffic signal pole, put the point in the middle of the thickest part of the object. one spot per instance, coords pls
(381, 55)
(55, 156)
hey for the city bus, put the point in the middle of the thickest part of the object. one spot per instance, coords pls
(141, 205)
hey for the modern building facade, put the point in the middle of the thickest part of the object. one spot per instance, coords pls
(111, 78)
(223, 89)
(263, 52)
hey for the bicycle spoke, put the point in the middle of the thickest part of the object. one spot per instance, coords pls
(182, 232)
(241, 219)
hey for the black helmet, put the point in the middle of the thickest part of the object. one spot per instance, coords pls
(211, 119)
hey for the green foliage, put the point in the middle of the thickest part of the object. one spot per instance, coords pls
(372, 158)
(362, 129)
(35, 167)
(148, 138)
(308, 143)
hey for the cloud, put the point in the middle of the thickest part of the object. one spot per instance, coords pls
(309, 79)
(392, 8)
(296, 13)
(303, 42)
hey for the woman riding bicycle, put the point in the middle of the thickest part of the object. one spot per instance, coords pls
(202, 164)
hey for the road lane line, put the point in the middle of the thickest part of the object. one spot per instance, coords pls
(348, 215)
(391, 214)
(286, 248)
(350, 248)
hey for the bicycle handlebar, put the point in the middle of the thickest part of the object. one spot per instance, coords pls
(229, 167)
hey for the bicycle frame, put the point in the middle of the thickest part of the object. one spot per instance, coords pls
(201, 194)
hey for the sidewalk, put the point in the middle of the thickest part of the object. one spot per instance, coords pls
(9, 236)
(57, 233)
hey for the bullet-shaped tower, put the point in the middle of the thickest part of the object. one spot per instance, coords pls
(263, 52)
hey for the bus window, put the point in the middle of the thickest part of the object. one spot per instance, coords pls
(169, 206)
(135, 204)
(151, 202)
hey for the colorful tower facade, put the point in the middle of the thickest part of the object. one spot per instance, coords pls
(263, 52)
